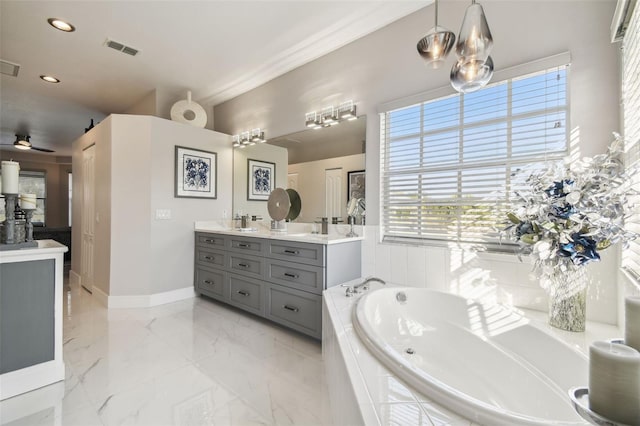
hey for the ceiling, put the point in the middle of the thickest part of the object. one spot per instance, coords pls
(216, 49)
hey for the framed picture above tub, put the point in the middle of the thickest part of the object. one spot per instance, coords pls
(196, 173)
(261, 179)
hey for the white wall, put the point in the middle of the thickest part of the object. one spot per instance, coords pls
(264, 152)
(384, 66)
(311, 184)
(136, 254)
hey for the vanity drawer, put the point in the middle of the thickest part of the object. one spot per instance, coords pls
(296, 275)
(247, 265)
(210, 257)
(246, 294)
(248, 245)
(296, 309)
(211, 283)
(311, 254)
(210, 240)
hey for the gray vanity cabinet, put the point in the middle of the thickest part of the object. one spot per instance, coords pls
(276, 279)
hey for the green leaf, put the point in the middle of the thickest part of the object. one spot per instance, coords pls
(529, 238)
(513, 218)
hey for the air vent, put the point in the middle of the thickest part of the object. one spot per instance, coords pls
(9, 68)
(121, 47)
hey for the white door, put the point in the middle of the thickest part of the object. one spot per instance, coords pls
(87, 215)
(333, 190)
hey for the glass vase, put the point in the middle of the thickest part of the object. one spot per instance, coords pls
(568, 299)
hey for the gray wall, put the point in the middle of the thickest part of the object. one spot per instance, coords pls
(384, 66)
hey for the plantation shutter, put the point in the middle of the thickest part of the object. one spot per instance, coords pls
(447, 165)
(631, 114)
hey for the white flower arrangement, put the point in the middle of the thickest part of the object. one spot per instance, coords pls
(568, 215)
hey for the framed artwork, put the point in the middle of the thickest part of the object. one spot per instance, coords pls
(196, 173)
(261, 179)
(355, 184)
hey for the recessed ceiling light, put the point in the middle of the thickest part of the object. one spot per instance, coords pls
(49, 79)
(61, 25)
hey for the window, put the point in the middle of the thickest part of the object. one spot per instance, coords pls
(447, 164)
(32, 182)
(631, 114)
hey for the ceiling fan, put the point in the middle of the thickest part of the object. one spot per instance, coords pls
(24, 142)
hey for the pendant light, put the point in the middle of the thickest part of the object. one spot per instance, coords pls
(474, 41)
(436, 44)
(474, 67)
(467, 77)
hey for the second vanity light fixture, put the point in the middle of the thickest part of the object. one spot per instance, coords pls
(330, 116)
(248, 138)
(474, 67)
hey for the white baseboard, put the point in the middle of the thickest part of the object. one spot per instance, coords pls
(74, 279)
(143, 301)
(100, 296)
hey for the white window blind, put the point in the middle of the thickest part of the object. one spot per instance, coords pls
(631, 114)
(447, 164)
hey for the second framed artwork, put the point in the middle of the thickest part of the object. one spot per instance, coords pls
(355, 184)
(195, 175)
(261, 179)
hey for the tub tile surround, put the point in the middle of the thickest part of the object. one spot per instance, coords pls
(490, 277)
(384, 399)
(188, 362)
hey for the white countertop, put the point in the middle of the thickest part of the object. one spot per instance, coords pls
(300, 232)
(376, 388)
(45, 247)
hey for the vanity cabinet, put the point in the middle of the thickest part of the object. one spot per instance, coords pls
(276, 279)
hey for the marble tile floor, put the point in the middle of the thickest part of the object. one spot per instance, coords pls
(194, 362)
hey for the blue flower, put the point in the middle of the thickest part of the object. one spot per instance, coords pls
(556, 190)
(581, 250)
(562, 212)
(524, 228)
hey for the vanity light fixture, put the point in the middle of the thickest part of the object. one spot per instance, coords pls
(61, 25)
(347, 111)
(248, 138)
(331, 115)
(50, 79)
(312, 120)
(257, 136)
(236, 141)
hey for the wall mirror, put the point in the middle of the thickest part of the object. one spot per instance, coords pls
(323, 165)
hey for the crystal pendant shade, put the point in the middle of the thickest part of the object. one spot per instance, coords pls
(436, 44)
(474, 41)
(470, 75)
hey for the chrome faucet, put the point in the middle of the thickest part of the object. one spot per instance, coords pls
(363, 286)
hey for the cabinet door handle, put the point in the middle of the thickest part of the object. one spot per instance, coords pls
(208, 282)
(291, 251)
(244, 245)
(244, 293)
(208, 240)
(209, 257)
(290, 275)
(243, 265)
(290, 308)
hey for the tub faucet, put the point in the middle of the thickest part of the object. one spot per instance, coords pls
(363, 286)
